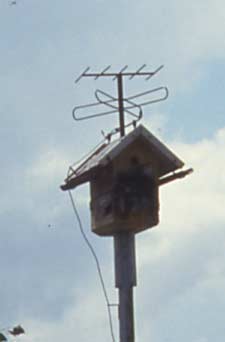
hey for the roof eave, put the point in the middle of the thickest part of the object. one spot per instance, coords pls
(83, 178)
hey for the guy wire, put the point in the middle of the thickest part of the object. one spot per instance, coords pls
(91, 248)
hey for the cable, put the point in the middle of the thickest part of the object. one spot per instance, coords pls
(97, 265)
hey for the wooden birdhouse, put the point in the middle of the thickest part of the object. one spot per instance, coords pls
(124, 178)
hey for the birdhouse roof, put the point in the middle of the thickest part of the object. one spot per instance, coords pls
(109, 151)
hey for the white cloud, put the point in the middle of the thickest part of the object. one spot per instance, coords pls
(181, 262)
(198, 200)
(86, 320)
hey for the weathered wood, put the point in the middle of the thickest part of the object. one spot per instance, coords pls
(125, 263)
(81, 179)
(126, 315)
(125, 279)
(177, 175)
(119, 203)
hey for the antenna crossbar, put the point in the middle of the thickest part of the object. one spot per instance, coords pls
(121, 73)
(112, 74)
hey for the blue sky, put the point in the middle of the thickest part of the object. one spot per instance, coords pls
(49, 282)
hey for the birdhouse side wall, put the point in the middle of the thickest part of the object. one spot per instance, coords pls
(101, 199)
(125, 195)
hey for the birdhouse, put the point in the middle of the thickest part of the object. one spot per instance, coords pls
(124, 178)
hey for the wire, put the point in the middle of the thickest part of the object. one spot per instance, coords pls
(97, 265)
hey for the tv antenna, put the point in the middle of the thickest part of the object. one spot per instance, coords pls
(119, 104)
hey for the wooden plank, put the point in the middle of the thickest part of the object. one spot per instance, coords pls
(125, 274)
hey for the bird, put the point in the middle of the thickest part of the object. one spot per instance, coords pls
(13, 3)
(2, 337)
(18, 330)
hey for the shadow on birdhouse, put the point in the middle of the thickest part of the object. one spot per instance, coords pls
(124, 177)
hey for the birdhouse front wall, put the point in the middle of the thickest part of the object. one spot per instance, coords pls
(124, 195)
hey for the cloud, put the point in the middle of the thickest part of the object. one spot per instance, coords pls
(87, 319)
(181, 262)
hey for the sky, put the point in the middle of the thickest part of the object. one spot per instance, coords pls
(49, 282)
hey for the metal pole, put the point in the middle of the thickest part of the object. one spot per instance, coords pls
(120, 103)
(125, 278)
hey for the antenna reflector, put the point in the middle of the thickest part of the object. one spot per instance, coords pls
(103, 71)
(123, 69)
(83, 74)
(138, 71)
(155, 72)
(120, 72)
